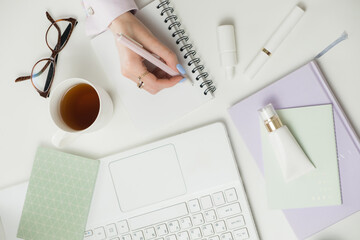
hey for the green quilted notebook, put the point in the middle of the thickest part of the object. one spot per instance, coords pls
(58, 197)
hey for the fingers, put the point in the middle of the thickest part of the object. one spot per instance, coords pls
(153, 85)
(160, 73)
(155, 46)
(165, 53)
(132, 66)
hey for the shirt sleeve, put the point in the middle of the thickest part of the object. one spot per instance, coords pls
(100, 13)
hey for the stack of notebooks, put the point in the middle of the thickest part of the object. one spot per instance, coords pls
(306, 104)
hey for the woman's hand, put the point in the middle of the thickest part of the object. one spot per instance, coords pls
(132, 65)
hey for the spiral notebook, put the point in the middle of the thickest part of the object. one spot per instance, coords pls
(149, 112)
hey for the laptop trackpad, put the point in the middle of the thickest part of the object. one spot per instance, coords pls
(146, 178)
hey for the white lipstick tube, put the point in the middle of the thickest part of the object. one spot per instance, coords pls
(274, 42)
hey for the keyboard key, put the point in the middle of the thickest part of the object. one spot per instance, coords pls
(88, 233)
(218, 198)
(229, 210)
(220, 227)
(206, 202)
(207, 230)
(185, 223)
(231, 195)
(123, 227)
(171, 237)
(138, 235)
(161, 230)
(235, 222)
(198, 219)
(126, 237)
(195, 233)
(174, 226)
(111, 230)
(214, 238)
(210, 216)
(226, 236)
(149, 233)
(194, 206)
(241, 234)
(183, 236)
(158, 216)
(99, 233)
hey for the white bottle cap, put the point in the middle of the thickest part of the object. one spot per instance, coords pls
(267, 112)
(227, 47)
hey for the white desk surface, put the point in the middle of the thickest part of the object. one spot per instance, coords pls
(25, 121)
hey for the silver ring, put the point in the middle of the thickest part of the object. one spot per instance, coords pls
(140, 82)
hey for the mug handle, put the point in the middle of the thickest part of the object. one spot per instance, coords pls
(62, 138)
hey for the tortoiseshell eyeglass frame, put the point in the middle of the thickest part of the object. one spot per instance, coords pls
(63, 39)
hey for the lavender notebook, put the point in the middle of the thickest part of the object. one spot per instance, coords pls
(306, 87)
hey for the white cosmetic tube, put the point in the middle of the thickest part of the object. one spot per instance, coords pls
(274, 42)
(291, 158)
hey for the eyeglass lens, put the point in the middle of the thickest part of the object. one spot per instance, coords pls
(42, 74)
(58, 30)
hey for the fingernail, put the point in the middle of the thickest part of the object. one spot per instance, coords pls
(183, 80)
(180, 68)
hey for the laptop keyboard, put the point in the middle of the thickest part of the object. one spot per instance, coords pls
(217, 216)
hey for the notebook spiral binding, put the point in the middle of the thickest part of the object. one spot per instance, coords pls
(186, 47)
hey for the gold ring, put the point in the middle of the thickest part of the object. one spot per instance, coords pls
(140, 82)
(267, 52)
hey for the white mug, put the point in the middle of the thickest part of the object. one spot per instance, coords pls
(66, 134)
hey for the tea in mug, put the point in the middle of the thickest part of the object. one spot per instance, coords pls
(79, 107)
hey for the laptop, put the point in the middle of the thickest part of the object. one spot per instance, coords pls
(185, 187)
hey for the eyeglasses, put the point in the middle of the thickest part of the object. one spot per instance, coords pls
(43, 72)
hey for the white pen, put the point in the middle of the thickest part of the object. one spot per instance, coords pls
(274, 42)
